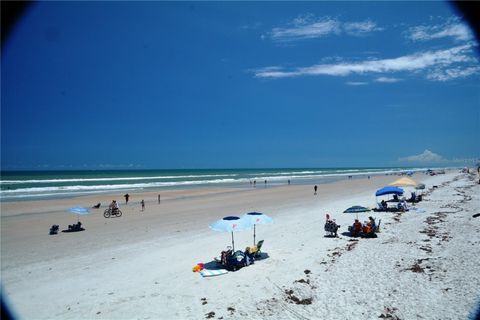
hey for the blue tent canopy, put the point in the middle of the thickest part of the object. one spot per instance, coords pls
(389, 190)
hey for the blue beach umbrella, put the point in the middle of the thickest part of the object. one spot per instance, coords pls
(255, 218)
(389, 190)
(356, 209)
(230, 224)
(79, 211)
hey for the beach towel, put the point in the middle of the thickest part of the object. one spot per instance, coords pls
(212, 273)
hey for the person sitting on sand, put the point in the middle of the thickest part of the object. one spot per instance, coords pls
(357, 227)
(384, 204)
(250, 254)
(402, 206)
(367, 228)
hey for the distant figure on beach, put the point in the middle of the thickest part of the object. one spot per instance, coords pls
(288, 181)
(254, 183)
(368, 177)
(159, 199)
(349, 177)
(315, 190)
(265, 183)
(143, 204)
(126, 198)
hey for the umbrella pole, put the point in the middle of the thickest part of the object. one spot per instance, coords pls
(233, 243)
(254, 234)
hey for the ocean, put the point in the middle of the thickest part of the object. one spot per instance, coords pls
(29, 185)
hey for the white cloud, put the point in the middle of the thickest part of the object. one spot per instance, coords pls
(452, 28)
(356, 83)
(360, 28)
(426, 156)
(309, 27)
(427, 60)
(387, 79)
(452, 73)
(302, 29)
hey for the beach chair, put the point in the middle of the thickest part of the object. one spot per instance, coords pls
(331, 227)
(255, 251)
(377, 227)
(259, 248)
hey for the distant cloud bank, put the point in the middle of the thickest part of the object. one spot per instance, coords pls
(429, 157)
(426, 156)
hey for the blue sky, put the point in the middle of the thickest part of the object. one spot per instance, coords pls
(245, 84)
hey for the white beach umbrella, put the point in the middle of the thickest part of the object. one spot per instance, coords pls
(255, 218)
(230, 224)
(79, 211)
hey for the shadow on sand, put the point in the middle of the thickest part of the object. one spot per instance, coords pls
(216, 265)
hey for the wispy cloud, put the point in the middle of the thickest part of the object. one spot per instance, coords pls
(302, 29)
(387, 79)
(429, 61)
(360, 28)
(452, 28)
(356, 83)
(440, 74)
(308, 27)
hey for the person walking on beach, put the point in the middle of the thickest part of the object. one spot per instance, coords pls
(126, 198)
(159, 199)
(288, 181)
(254, 183)
(143, 204)
(315, 190)
(265, 183)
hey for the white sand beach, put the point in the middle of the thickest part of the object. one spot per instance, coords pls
(139, 266)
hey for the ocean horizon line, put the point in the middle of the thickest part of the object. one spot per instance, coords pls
(226, 168)
(25, 185)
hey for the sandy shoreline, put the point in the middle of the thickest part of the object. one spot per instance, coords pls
(139, 266)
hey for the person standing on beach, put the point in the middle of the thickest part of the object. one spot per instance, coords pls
(315, 190)
(265, 183)
(254, 183)
(143, 204)
(126, 198)
(159, 199)
(288, 181)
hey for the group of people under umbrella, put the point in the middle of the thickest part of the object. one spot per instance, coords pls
(231, 259)
(395, 190)
(369, 228)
